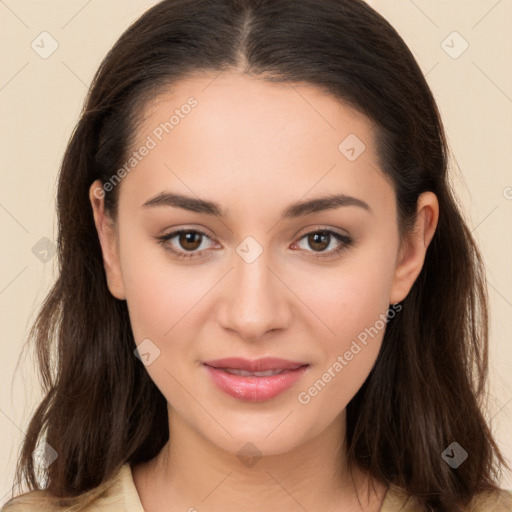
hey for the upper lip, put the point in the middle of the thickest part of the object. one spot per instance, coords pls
(255, 365)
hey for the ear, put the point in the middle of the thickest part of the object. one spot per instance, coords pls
(414, 247)
(107, 234)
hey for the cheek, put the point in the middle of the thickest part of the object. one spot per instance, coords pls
(158, 293)
(345, 298)
(353, 302)
(351, 296)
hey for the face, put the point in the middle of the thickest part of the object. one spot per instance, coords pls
(255, 275)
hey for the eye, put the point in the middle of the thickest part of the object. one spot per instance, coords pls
(188, 243)
(322, 239)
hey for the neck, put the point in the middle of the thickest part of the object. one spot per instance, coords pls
(191, 473)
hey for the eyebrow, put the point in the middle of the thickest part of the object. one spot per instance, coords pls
(298, 209)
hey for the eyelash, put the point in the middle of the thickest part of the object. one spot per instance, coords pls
(345, 240)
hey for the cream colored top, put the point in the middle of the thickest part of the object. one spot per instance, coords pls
(122, 497)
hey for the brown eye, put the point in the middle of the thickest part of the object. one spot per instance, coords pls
(186, 244)
(190, 240)
(324, 243)
(319, 241)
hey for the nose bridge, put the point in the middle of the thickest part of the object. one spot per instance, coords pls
(255, 300)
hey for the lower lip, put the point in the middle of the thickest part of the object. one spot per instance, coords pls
(255, 389)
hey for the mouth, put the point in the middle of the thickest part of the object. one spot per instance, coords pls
(244, 373)
(257, 380)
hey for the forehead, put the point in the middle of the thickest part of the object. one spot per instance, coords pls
(233, 133)
(229, 104)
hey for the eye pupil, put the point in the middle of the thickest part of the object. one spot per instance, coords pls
(190, 237)
(319, 241)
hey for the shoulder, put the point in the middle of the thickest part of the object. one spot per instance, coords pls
(34, 500)
(488, 501)
(497, 501)
(116, 495)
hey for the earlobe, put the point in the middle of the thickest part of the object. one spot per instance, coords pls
(414, 247)
(108, 241)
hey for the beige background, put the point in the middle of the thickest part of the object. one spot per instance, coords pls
(40, 100)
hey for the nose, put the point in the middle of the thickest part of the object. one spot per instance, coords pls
(255, 300)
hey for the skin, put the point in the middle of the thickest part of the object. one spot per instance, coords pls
(255, 148)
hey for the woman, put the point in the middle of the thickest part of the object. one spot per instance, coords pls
(268, 298)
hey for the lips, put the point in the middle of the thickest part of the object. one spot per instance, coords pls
(257, 380)
(256, 365)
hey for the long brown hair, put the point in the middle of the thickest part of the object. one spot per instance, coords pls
(427, 387)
